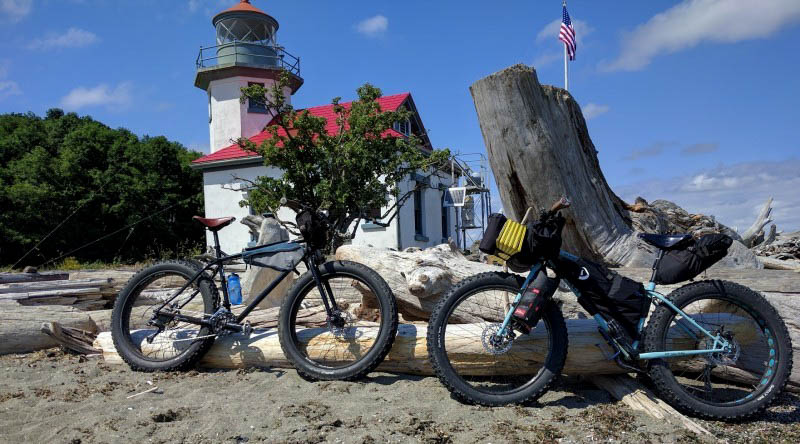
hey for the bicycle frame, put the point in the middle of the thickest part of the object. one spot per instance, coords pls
(217, 265)
(720, 344)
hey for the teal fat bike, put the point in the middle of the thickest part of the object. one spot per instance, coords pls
(712, 348)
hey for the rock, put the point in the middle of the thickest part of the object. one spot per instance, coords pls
(739, 256)
(256, 279)
(30, 269)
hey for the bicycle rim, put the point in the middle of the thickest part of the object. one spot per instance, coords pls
(502, 369)
(721, 379)
(348, 337)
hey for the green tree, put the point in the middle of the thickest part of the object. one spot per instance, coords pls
(347, 173)
(68, 167)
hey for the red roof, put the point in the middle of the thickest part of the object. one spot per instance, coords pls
(243, 6)
(387, 103)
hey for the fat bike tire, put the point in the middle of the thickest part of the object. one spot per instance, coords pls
(129, 349)
(305, 286)
(773, 333)
(459, 386)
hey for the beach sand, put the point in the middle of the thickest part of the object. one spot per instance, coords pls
(51, 396)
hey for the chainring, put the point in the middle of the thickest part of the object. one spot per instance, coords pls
(219, 319)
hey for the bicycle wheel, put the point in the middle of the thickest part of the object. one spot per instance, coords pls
(355, 339)
(179, 344)
(730, 385)
(473, 364)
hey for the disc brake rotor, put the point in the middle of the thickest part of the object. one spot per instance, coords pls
(723, 358)
(338, 323)
(493, 343)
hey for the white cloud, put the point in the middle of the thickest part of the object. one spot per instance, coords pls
(696, 21)
(734, 194)
(100, 95)
(592, 110)
(550, 31)
(15, 10)
(373, 26)
(72, 38)
(9, 88)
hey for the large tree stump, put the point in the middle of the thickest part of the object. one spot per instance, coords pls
(539, 150)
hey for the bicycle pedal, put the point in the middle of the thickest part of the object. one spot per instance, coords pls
(247, 329)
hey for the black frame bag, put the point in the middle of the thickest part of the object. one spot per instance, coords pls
(607, 292)
(687, 263)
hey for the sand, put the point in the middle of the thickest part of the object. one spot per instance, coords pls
(50, 396)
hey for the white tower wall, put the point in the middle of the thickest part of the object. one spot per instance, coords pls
(229, 119)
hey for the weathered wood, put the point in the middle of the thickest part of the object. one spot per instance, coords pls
(8, 278)
(540, 150)
(418, 279)
(409, 353)
(751, 234)
(780, 264)
(639, 398)
(76, 340)
(76, 292)
(20, 327)
(22, 287)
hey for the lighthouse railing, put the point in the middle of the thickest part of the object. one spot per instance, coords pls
(247, 54)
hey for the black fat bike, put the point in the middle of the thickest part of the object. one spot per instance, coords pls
(712, 348)
(169, 314)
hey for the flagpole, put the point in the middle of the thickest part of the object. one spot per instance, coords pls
(566, 68)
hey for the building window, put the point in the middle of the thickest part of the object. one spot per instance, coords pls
(403, 127)
(418, 213)
(256, 106)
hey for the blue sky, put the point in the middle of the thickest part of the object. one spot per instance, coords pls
(692, 101)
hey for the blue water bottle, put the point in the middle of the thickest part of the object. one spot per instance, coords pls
(234, 289)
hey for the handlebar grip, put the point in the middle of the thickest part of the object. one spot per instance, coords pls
(560, 204)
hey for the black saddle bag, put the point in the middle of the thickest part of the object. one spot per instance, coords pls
(607, 292)
(687, 263)
(313, 228)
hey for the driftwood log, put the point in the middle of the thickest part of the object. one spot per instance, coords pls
(20, 326)
(639, 398)
(409, 354)
(587, 354)
(755, 234)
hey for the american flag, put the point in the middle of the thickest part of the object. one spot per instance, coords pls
(567, 34)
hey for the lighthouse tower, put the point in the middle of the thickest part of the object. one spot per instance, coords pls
(246, 53)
